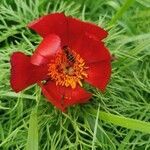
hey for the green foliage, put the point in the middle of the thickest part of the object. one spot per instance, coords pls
(32, 142)
(28, 120)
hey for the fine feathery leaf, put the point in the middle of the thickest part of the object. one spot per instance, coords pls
(121, 11)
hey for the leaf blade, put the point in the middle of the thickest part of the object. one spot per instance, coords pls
(122, 121)
(32, 141)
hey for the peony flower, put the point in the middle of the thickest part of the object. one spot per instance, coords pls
(70, 53)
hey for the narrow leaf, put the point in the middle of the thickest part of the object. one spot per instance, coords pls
(95, 130)
(32, 141)
(122, 121)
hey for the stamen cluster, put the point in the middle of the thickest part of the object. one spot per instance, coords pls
(67, 73)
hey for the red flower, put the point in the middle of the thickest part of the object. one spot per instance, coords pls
(71, 52)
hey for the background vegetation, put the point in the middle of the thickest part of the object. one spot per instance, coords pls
(28, 121)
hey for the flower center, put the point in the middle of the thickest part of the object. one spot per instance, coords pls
(68, 68)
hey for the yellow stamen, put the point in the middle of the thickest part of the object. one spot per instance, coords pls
(67, 73)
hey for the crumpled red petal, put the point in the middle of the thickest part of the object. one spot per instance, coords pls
(63, 97)
(91, 50)
(23, 73)
(67, 28)
(46, 50)
(76, 28)
(50, 24)
(99, 74)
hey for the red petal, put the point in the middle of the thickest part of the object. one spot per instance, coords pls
(76, 28)
(23, 73)
(55, 95)
(46, 50)
(50, 24)
(66, 27)
(91, 50)
(99, 74)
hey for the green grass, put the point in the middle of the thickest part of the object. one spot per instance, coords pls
(116, 120)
